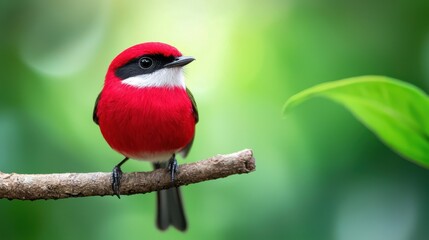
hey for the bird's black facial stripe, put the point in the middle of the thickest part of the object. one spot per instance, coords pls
(139, 66)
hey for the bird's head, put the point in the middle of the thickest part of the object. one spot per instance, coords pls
(151, 64)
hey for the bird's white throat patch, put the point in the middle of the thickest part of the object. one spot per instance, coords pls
(166, 77)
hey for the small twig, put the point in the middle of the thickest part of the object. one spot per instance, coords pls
(67, 185)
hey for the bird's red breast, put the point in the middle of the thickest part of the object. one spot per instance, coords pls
(140, 122)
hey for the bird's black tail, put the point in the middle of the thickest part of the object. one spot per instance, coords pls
(169, 207)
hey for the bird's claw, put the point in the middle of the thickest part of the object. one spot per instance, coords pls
(173, 168)
(116, 180)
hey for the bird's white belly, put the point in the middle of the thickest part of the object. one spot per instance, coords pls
(152, 157)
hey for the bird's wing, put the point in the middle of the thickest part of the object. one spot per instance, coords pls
(94, 113)
(194, 105)
(186, 150)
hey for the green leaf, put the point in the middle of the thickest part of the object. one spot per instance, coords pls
(397, 112)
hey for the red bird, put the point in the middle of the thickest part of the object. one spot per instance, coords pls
(145, 112)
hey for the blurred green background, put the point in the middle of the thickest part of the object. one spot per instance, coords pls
(320, 173)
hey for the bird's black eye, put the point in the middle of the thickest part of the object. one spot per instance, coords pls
(145, 62)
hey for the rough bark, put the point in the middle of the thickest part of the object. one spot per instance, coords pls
(68, 185)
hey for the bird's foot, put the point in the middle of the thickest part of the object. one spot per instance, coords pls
(116, 177)
(116, 180)
(172, 168)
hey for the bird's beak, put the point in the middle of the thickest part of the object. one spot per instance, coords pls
(180, 62)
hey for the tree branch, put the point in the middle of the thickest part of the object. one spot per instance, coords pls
(67, 185)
